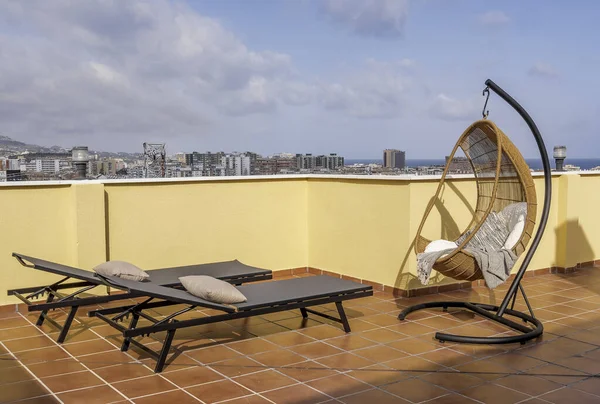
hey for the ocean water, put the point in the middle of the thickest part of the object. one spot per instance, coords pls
(534, 164)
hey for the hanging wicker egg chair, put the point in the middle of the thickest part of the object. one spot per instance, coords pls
(503, 178)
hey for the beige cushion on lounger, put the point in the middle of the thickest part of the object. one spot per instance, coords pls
(212, 289)
(121, 269)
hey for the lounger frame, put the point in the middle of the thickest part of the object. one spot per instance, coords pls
(170, 324)
(56, 300)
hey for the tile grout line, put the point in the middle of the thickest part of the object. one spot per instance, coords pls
(14, 328)
(551, 391)
(376, 344)
(529, 396)
(292, 385)
(177, 388)
(77, 389)
(25, 365)
(298, 382)
(457, 393)
(546, 363)
(140, 362)
(219, 373)
(32, 398)
(51, 345)
(305, 359)
(37, 379)
(234, 399)
(145, 365)
(373, 387)
(74, 358)
(475, 358)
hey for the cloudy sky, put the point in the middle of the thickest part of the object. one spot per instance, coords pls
(346, 76)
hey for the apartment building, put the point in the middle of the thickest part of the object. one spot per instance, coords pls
(393, 158)
(321, 162)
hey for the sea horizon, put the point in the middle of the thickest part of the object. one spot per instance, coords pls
(533, 163)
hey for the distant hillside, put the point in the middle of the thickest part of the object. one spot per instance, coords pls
(9, 147)
(6, 142)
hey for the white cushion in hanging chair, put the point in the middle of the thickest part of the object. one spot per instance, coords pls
(440, 245)
(515, 233)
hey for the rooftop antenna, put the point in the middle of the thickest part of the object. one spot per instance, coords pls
(154, 160)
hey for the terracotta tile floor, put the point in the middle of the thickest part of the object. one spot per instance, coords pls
(279, 358)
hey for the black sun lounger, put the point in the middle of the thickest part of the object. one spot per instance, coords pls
(231, 271)
(262, 298)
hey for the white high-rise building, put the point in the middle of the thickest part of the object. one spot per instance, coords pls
(50, 166)
(46, 166)
(235, 164)
(242, 165)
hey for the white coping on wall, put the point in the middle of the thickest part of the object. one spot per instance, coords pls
(278, 177)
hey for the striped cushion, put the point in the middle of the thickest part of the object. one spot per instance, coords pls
(513, 212)
(494, 231)
(491, 235)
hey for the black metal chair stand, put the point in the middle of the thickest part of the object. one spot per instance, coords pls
(532, 327)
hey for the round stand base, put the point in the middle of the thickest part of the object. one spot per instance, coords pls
(489, 312)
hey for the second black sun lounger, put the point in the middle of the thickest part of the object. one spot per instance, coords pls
(234, 272)
(262, 298)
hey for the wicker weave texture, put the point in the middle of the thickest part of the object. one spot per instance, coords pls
(503, 178)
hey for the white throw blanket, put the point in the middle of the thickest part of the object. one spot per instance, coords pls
(487, 246)
(495, 265)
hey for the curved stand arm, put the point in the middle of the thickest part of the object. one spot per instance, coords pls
(547, 194)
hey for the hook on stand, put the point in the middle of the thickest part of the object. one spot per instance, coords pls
(484, 112)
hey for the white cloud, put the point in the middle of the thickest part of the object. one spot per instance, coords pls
(129, 67)
(452, 109)
(257, 96)
(542, 70)
(130, 71)
(494, 18)
(372, 18)
(107, 75)
(297, 92)
(379, 90)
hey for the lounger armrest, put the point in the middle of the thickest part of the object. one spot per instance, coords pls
(55, 268)
(22, 260)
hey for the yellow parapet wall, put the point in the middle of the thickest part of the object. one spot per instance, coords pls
(577, 230)
(262, 223)
(36, 221)
(361, 227)
(365, 228)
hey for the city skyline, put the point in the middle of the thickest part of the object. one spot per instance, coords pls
(353, 77)
(81, 163)
(173, 153)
